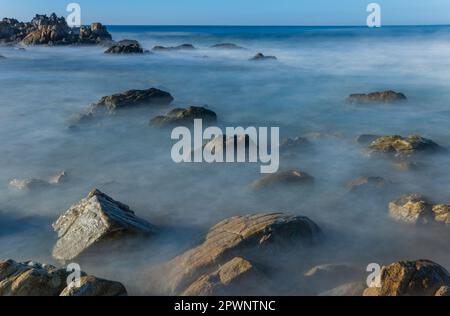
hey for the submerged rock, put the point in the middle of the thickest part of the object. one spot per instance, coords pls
(92, 220)
(174, 48)
(249, 236)
(32, 183)
(125, 47)
(376, 97)
(35, 279)
(411, 278)
(294, 145)
(261, 56)
(367, 184)
(227, 46)
(403, 146)
(2, 57)
(132, 98)
(289, 177)
(185, 116)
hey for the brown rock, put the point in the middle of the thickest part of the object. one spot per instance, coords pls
(412, 209)
(290, 177)
(442, 213)
(401, 146)
(443, 291)
(92, 286)
(377, 97)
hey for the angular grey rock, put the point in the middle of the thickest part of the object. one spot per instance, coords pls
(92, 220)
(125, 47)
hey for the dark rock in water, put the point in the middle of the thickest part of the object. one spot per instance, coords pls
(236, 276)
(185, 116)
(411, 278)
(290, 177)
(132, 98)
(51, 30)
(403, 146)
(227, 46)
(92, 220)
(367, 184)
(125, 47)
(2, 57)
(175, 48)
(261, 56)
(36, 279)
(366, 139)
(376, 97)
(293, 145)
(249, 237)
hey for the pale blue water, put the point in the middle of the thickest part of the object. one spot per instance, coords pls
(302, 93)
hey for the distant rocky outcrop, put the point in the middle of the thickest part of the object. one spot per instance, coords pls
(227, 46)
(416, 209)
(173, 48)
(411, 278)
(95, 218)
(32, 183)
(51, 30)
(283, 178)
(399, 146)
(261, 56)
(247, 237)
(125, 47)
(36, 279)
(185, 116)
(376, 97)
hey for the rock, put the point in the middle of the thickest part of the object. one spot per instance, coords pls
(59, 178)
(223, 143)
(185, 116)
(367, 184)
(133, 98)
(289, 177)
(366, 139)
(179, 47)
(400, 146)
(442, 213)
(92, 286)
(443, 291)
(32, 184)
(237, 274)
(125, 47)
(376, 97)
(244, 236)
(227, 46)
(411, 278)
(2, 57)
(36, 279)
(412, 209)
(261, 56)
(326, 276)
(51, 30)
(92, 220)
(348, 289)
(293, 145)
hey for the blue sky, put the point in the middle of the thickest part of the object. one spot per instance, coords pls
(237, 12)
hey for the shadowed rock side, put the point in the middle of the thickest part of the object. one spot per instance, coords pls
(416, 209)
(399, 146)
(52, 30)
(247, 237)
(185, 116)
(282, 178)
(93, 219)
(411, 278)
(125, 47)
(261, 56)
(35, 279)
(173, 48)
(376, 97)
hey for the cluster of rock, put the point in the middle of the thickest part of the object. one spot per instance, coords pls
(261, 56)
(416, 209)
(185, 116)
(125, 47)
(376, 97)
(399, 146)
(35, 279)
(51, 30)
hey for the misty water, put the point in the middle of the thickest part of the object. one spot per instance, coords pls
(303, 93)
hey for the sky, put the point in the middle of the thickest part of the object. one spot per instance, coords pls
(236, 12)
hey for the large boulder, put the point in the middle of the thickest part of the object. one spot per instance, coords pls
(132, 98)
(125, 47)
(185, 116)
(282, 178)
(399, 146)
(95, 218)
(95, 34)
(376, 97)
(411, 278)
(35, 279)
(249, 236)
(261, 56)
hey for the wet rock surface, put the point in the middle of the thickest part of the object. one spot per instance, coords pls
(261, 56)
(411, 278)
(51, 30)
(185, 116)
(36, 279)
(376, 97)
(94, 219)
(249, 237)
(283, 178)
(125, 47)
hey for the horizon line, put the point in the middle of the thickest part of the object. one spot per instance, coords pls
(277, 25)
